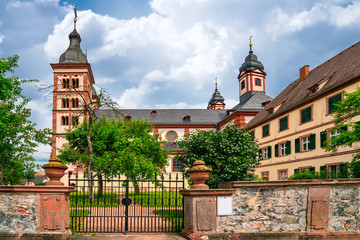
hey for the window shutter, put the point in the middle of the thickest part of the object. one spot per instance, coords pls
(288, 147)
(312, 169)
(269, 151)
(260, 153)
(312, 144)
(323, 137)
(331, 105)
(297, 145)
(276, 150)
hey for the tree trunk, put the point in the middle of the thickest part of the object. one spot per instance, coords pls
(88, 139)
(137, 189)
(100, 186)
(1, 175)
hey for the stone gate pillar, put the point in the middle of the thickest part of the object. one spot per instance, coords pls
(37, 212)
(200, 206)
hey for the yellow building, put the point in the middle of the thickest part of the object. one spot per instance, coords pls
(291, 130)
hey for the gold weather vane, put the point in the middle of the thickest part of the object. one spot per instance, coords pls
(250, 44)
(216, 83)
(75, 18)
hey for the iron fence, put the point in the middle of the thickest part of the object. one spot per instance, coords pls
(119, 205)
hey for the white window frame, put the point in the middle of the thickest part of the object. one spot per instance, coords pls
(305, 143)
(336, 133)
(282, 174)
(265, 153)
(282, 149)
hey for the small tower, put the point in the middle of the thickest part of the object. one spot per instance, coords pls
(216, 101)
(251, 77)
(73, 89)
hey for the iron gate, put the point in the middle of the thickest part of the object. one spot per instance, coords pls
(120, 205)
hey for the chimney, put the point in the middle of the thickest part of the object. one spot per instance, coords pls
(304, 71)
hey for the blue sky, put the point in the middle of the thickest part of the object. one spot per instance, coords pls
(167, 53)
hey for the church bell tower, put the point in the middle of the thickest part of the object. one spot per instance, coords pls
(251, 77)
(73, 89)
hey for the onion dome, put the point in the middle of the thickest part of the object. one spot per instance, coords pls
(251, 61)
(74, 53)
(216, 97)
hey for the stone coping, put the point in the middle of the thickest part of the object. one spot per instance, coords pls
(207, 192)
(37, 189)
(286, 183)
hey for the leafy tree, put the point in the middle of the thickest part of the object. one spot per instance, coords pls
(231, 153)
(119, 147)
(18, 135)
(307, 174)
(347, 109)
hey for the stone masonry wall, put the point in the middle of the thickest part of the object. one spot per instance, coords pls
(291, 207)
(19, 212)
(344, 212)
(266, 210)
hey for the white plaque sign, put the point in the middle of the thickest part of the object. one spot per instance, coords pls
(224, 205)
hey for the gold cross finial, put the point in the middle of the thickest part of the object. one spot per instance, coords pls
(75, 18)
(250, 44)
(216, 83)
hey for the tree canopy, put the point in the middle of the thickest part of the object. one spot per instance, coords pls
(347, 109)
(231, 153)
(18, 135)
(119, 147)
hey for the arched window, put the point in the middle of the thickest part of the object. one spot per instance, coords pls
(65, 83)
(65, 120)
(75, 102)
(75, 121)
(242, 85)
(65, 103)
(75, 83)
(153, 112)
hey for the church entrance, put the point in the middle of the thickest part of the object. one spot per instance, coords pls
(120, 205)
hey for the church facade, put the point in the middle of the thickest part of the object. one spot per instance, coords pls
(73, 90)
(291, 129)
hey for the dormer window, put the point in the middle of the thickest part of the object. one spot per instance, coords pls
(264, 104)
(128, 118)
(153, 112)
(186, 118)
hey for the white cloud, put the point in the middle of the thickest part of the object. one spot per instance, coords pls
(1, 38)
(104, 80)
(181, 105)
(331, 12)
(191, 55)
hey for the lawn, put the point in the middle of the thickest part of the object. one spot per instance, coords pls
(77, 219)
(175, 217)
(158, 199)
(81, 199)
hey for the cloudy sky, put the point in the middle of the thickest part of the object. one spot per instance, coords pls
(167, 53)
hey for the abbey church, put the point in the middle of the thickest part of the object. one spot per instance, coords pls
(290, 128)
